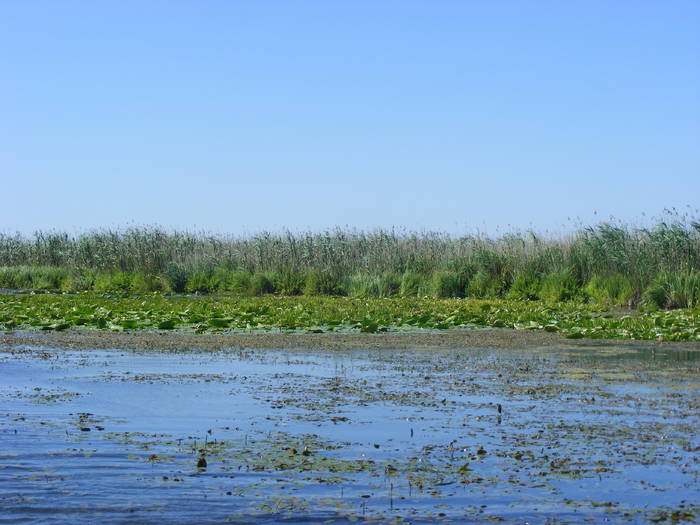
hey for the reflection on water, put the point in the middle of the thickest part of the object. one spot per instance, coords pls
(567, 434)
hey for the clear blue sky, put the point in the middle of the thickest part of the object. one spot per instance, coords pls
(453, 115)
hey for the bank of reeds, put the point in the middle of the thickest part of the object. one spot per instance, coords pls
(607, 263)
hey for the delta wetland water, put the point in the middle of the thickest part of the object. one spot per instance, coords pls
(557, 432)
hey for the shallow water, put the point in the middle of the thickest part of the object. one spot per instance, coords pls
(598, 433)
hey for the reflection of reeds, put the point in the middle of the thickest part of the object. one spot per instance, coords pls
(607, 263)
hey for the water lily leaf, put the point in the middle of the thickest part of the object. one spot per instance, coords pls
(219, 322)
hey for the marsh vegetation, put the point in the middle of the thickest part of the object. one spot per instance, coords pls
(536, 427)
(87, 311)
(609, 263)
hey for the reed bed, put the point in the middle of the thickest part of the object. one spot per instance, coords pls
(607, 263)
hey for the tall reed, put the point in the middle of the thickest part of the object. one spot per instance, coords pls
(607, 261)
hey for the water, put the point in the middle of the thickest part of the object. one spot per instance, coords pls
(583, 433)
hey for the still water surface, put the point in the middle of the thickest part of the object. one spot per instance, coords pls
(555, 435)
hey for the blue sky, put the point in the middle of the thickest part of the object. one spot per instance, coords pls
(235, 116)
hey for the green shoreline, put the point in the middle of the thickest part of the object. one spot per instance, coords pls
(610, 263)
(229, 315)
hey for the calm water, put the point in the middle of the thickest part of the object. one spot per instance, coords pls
(596, 433)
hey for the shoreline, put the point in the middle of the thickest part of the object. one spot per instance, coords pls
(497, 339)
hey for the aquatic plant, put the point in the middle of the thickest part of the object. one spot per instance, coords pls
(323, 283)
(412, 285)
(614, 289)
(260, 284)
(610, 262)
(674, 290)
(447, 284)
(332, 314)
(559, 285)
(526, 286)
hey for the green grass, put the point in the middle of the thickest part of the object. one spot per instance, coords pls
(674, 290)
(329, 314)
(615, 289)
(610, 263)
(667, 290)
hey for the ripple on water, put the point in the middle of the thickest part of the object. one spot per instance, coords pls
(595, 433)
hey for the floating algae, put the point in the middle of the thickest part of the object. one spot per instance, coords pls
(563, 434)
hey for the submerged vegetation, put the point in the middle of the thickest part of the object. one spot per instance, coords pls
(335, 314)
(613, 264)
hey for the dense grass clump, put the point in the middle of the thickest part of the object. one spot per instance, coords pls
(608, 263)
(674, 290)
